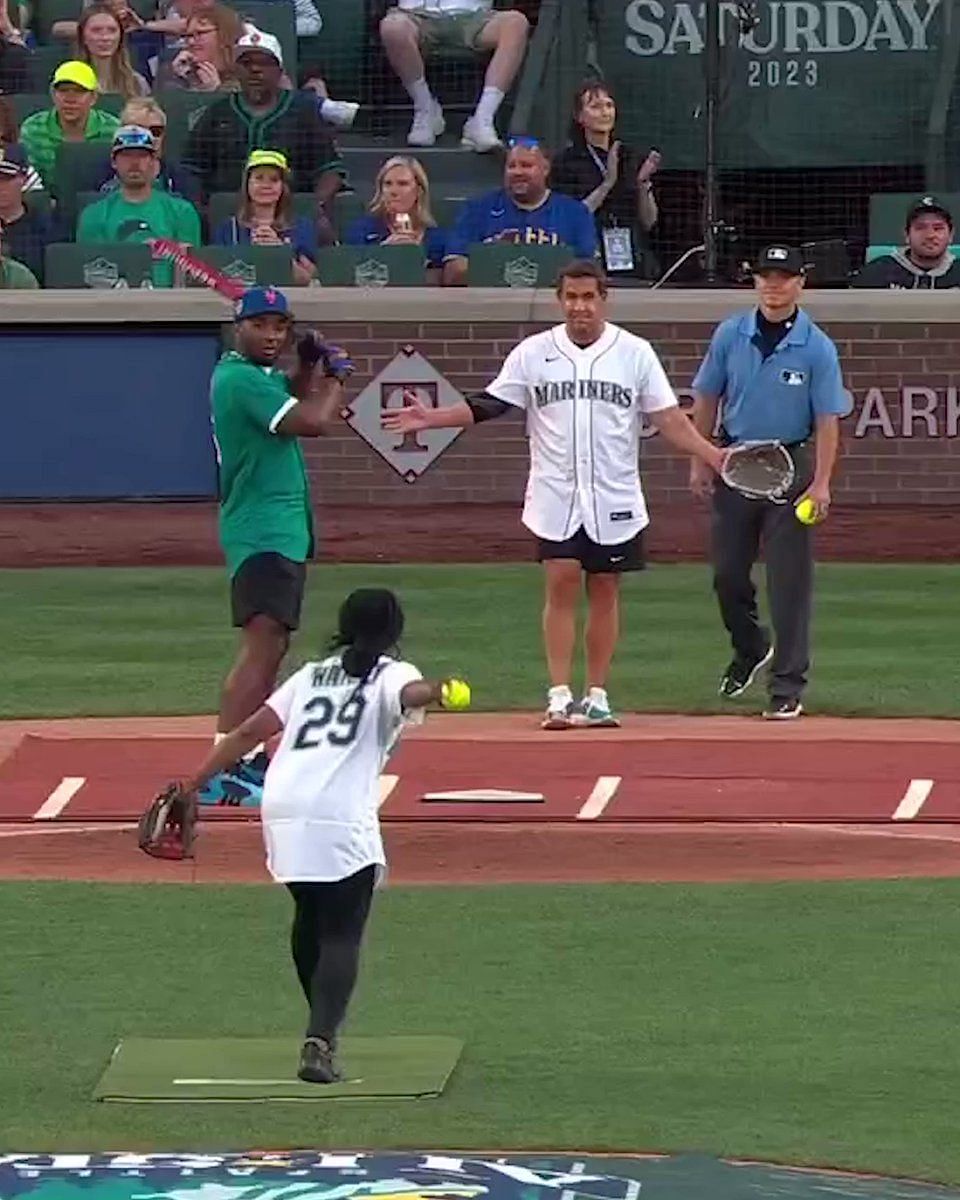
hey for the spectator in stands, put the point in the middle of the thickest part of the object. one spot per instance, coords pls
(607, 177)
(13, 274)
(137, 210)
(147, 113)
(10, 135)
(339, 113)
(14, 55)
(265, 215)
(525, 212)
(414, 28)
(400, 214)
(27, 230)
(206, 63)
(100, 42)
(925, 261)
(73, 118)
(264, 117)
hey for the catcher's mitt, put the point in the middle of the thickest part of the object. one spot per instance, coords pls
(167, 828)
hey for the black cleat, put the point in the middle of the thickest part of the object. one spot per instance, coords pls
(317, 1063)
(741, 673)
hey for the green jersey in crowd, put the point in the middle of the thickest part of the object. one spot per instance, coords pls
(264, 495)
(115, 219)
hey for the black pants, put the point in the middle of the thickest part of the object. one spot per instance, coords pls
(328, 924)
(739, 528)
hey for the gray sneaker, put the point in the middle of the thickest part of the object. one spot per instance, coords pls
(317, 1063)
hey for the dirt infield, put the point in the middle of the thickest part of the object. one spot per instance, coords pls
(494, 849)
(142, 533)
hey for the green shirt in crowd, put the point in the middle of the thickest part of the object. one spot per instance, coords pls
(117, 220)
(41, 135)
(264, 495)
(14, 274)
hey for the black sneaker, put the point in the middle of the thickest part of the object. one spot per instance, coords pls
(741, 673)
(783, 710)
(317, 1063)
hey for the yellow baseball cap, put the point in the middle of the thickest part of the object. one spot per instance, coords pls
(268, 158)
(79, 73)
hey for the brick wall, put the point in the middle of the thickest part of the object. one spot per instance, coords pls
(898, 444)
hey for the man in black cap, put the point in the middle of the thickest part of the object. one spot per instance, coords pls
(925, 261)
(27, 231)
(770, 374)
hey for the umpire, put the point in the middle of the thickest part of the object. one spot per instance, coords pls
(769, 373)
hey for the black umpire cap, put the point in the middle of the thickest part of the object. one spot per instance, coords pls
(928, 204)
(780, 258)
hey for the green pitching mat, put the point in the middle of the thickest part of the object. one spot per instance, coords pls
(258, 1070)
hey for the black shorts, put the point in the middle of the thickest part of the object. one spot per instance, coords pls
(594, 558)
(268, 585)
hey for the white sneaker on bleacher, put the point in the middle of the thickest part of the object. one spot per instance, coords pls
(340, 113)
(480, 135)
(428, 125)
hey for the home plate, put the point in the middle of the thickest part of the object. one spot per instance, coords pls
(483, 796)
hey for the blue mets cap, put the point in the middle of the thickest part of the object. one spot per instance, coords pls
(259, 301)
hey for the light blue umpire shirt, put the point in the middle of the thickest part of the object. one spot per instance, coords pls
(779, 397)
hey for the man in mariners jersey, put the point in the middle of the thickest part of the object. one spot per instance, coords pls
(266, 523)
(583, 386)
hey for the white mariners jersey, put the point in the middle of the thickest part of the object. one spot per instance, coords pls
(583, 406)
(321, 794)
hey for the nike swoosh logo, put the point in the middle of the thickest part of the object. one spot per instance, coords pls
(618, 558)
(555, 358)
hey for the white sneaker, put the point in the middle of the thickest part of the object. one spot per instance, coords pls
(480, 135)
(427, 126)
(560, 710)
(340, 113)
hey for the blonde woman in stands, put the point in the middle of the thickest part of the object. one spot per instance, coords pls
(101, 43)
(400, 214)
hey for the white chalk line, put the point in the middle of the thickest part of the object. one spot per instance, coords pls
(913, 800)
(60, 797)
(48, 830)
(603, 792)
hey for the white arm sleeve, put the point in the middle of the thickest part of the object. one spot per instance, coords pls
(656, 392)
(512, 385)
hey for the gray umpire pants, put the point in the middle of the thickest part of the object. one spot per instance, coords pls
(740, 527)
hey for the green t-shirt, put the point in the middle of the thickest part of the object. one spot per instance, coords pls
(264, 495)
(117, 220)
(14, 274)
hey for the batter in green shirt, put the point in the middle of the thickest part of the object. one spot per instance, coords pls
(266, 527)
(264, 496)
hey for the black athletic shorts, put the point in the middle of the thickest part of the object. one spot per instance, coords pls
(268, 585)
(594, 558)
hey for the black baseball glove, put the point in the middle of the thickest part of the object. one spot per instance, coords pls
(168, 827)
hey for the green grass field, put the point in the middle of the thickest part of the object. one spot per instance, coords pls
(805, 1023)
(786, 1022)
(144, 641)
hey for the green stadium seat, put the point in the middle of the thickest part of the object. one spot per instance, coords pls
(888, 210)
(77, 163)
(502, 265)
(340, 52)
(224, 204)
(68, 265)
(46, 13)
(347, 206)
(277, 18)
(184, 109)
(251, 264)
(43, 62)
(25, 104)
(371, 266)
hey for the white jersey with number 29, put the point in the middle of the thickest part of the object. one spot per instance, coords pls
(321, 795)
(584, 406)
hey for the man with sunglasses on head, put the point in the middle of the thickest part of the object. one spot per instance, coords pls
(524, 212)
(136, 211)
(145, 112)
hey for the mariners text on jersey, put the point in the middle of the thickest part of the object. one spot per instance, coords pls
(583, 389)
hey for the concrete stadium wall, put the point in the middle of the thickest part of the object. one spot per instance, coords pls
(900, 355)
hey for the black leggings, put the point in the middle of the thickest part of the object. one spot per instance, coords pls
(327, 931)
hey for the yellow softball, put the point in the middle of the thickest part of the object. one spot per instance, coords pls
(455, 694)
(806, 512)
